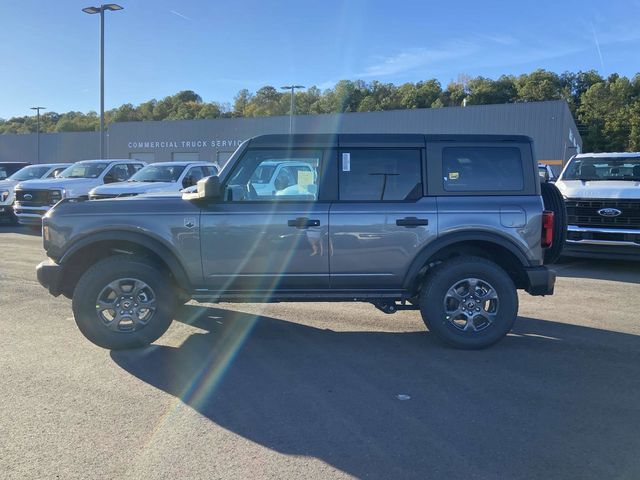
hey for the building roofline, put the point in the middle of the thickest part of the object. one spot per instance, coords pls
(379, 112)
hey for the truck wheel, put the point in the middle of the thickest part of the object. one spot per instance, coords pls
(123, 302)
(553, 201)
(469, 302)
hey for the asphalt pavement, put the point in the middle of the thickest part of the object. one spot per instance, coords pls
(238, 391)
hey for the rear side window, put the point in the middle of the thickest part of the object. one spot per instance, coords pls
(380, 174)
(472, 169)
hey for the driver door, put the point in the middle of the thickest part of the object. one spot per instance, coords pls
(265, 236)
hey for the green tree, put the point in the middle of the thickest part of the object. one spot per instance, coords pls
(484, 91)
(241, 101)
(145, 110)
(539, 86)
(453, 96)
(305, 100)
(210, 110)
(125, 113)
(606, 109)
(266, 102)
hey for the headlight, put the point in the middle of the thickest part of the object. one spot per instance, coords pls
(4, 195)
(55, 196)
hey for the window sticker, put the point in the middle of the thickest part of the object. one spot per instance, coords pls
(346, 162)
(305, 178)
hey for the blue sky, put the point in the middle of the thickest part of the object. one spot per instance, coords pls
(49, 50)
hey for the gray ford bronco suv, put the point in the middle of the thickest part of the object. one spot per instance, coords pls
(451, 225)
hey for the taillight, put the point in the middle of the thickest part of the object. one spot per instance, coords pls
(547, 229)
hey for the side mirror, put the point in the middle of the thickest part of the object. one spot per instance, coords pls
(108, 178)
(208, 187)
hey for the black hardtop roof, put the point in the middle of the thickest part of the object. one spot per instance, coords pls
(376, 139)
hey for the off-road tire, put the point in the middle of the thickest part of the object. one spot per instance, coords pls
(100, 275)
(553, 201)
(441, 280)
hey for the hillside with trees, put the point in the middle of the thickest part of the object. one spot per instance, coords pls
(607, 110)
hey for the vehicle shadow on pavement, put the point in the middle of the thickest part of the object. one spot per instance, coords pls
(612, 270)
(550, 401)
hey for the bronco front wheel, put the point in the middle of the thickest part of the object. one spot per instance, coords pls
(123, 302)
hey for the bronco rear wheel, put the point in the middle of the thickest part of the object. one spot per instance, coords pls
(469, 302)
(123, 302)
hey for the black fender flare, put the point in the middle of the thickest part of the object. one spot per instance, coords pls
(152, 244)
(452, 238)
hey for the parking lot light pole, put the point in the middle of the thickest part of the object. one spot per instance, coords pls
(93, 10)
(37, 109)
(292, 88)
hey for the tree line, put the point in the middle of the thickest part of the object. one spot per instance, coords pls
(607, 110)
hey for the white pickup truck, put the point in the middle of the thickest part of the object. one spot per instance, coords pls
(35, 197)
(602, 196)
(31, 172)
(157, 177)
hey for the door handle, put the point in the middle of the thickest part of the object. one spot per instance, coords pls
(303, 222)
(412, 222)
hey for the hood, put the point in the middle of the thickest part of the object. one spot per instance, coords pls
(614, 189)
(135, 188)
(7, 184)
(73, 186)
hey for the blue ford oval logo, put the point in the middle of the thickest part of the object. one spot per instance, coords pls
(28, 196)
(609, 212)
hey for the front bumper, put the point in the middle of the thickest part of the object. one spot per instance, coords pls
(606, 243)
(49, 275)
(6, 211)
(540, 280)
(28, 215)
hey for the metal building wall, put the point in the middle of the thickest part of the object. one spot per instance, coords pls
(54, 147)
(548, 123)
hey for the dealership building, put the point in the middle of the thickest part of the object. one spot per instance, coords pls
(550, 124)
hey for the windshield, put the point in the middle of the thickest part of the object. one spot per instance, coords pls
(84, 170)
(158, 173)
(29, 173)
(605, 168)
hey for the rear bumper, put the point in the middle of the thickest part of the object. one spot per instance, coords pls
(49, 275)
(540, 280)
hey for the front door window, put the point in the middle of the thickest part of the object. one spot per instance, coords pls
(276, 175)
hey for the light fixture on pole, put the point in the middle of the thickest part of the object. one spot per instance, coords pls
(37, 109)
(292, 88)
(92, 10)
